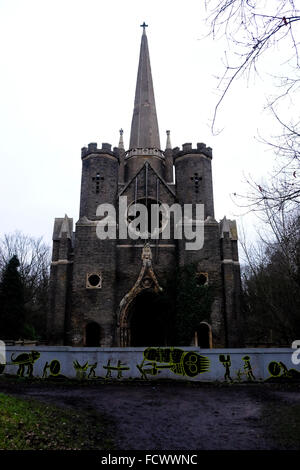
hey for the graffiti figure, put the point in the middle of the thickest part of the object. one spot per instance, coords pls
(80, 370)
(248, 368)
(54, 369)
(153, 370)
(177, 360)
(239, 375)
(227, 364)
(92, 370)
(120, 367)
(25, 359)
(279, 371)
(46, 367)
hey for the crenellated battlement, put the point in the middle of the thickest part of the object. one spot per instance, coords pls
(188, 149)
(93, 148)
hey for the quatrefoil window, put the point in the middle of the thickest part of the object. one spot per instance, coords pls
(97, 180)
(196, 179)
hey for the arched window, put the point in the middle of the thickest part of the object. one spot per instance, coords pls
(149, 223)
(92, 334)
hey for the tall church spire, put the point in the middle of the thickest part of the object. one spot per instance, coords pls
(144, 126)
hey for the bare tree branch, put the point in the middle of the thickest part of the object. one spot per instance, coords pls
(253, 28)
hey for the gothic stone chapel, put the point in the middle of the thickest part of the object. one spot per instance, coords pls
(103, 292)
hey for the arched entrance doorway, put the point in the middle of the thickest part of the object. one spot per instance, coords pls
(147, 321)
(92, 335)
(204, 336)
(142, 320)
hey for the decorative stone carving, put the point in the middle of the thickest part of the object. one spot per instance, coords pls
(145, 280)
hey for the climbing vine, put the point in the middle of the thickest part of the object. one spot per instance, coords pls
(186, 302)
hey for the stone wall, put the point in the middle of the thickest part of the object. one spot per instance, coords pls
(154, 363)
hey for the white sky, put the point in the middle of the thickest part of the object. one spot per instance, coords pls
(68, 75)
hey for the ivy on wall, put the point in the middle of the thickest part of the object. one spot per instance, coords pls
(186, 304)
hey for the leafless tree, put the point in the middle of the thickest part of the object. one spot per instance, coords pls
(34, 258)
(256, 31)
(282, 187)
(271, 279)
(253, 29)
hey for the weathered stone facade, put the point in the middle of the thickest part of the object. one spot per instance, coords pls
(95, 282)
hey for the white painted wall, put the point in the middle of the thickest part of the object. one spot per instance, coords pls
(182, 363)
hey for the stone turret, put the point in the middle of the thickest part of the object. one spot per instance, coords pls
(194, 176)
(231, 279)
(99, 182)
(60, 278)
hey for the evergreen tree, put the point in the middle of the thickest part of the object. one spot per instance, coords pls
(12, 309)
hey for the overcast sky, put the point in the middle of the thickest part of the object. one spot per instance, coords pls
(68, 75)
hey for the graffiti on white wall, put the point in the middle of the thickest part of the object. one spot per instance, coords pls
(150, 363)
(245, 372)
(279, 372)
(176, 360)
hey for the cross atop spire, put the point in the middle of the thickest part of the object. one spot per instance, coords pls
(144, 26)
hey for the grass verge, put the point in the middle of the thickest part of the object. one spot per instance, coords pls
(31, 425)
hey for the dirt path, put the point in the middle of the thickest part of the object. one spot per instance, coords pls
(171, 416)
